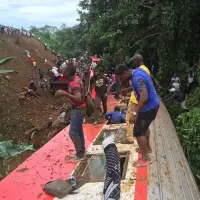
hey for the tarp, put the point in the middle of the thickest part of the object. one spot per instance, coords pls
(10, 148)
(7, 71)
(5, 60)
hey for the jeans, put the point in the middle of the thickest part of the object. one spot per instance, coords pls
(76, 130)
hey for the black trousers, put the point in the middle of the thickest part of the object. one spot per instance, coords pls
(113, 175)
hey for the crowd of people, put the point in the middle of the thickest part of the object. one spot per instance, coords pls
(179, 89)
(7, 30)
(71, 76)
(142, 107)
(141, 110)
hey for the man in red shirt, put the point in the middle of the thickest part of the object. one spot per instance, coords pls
(75, 93)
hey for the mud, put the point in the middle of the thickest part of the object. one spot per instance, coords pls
(93, 169)
(120, 136)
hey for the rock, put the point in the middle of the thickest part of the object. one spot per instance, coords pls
(8, 78)
(22, 170)
(21, 98)
(29, 132)
(47, 125)
(52, 134)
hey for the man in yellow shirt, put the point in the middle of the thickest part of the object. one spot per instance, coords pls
(133, 101)
(34, 64)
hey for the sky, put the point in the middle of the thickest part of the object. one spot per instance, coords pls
(26, 13)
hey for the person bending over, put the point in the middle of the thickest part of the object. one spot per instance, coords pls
(115, 117)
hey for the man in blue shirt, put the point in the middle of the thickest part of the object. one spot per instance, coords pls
(147, 107)
(115, 117)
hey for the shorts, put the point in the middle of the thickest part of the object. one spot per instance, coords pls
(143, 122)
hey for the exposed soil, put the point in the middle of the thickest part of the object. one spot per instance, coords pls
(17, 118)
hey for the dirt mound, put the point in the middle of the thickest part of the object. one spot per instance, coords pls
(16, 118)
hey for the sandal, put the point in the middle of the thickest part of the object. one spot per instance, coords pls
(139, 151)
(142, 163)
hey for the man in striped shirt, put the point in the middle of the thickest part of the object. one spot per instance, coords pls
(75, 93)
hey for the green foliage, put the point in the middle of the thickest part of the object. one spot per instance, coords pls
(5, 60)
(159, 30)
(10, 148)
(193, 99)
(65, 41)
(188, 128)
(166, 33)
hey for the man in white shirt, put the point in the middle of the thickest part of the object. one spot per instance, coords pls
(55, 72)
(175, 81)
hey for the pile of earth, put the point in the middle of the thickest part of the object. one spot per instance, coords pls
(35, 113)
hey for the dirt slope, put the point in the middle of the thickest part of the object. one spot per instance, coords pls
(16, 118)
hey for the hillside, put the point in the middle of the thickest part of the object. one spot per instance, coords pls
(16, 118)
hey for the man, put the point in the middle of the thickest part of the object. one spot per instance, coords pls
(32, 86)
(75, 94)
(179, 96)
(175, 81)
(34, 64)
(115, 117)
(115, 86)
(191, 80)
(147, 107)
(133, 101)
(34, 67)
(17, 42)
(81, 68)
(45, 47)
(31, 90)
(100, 83)
(41, 74)
(27, 53)
(110, 67)
(62, 66)
(94, 65)
(54, 70)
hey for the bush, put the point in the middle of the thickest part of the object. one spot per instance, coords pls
(193, 99)
(188, 129)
